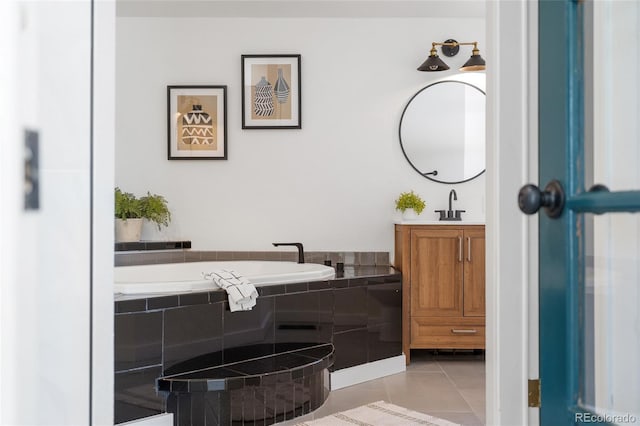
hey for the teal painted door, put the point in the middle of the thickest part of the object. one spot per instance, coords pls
(589, 143)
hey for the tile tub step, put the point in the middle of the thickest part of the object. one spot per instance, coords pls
(268, 389)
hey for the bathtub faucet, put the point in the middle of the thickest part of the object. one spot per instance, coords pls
(299, 247)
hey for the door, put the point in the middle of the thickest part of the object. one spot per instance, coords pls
(52, 225)
(589, 233)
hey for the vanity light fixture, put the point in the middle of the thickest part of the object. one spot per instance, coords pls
(450, 48)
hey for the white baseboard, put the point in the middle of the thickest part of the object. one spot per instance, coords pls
(365, 372)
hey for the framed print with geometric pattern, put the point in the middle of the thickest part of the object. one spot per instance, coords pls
(197, 122)
(271, 92)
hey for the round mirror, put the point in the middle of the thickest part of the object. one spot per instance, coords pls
(442, 131)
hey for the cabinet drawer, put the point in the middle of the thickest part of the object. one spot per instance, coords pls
(434, 333)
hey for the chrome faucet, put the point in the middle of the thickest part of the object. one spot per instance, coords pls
(450, 214)
(298, 246)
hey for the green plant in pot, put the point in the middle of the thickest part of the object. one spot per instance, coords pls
(128, 214)
(410, 204)
(127, 205)
(155, 209)
(131, 210)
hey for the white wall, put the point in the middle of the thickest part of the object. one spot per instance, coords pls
(330, 185)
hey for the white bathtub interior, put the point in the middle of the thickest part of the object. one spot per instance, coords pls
(188, 277)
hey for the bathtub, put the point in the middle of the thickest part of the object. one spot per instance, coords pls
(186, 277)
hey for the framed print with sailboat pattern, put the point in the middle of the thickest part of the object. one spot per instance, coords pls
(271, 92)
(197, 122)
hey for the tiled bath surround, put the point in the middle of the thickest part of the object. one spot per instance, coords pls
(261, 390)
(368, 258)
(359, 312)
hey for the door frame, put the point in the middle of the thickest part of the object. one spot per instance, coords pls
(512, 259)
(103, 166)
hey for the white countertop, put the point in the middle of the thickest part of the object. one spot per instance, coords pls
(437, 222)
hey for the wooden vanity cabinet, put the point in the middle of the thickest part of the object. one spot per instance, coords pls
(443, 286)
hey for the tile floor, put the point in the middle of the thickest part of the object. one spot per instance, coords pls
(449, 385)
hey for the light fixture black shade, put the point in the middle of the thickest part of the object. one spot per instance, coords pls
(451, 47)
(433, 63)
(475, 62)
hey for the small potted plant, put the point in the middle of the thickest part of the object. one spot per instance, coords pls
(410, 204)
(154, 209)
(128, 214)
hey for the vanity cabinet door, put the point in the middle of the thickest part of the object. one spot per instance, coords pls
(437, 263)
(474, 272)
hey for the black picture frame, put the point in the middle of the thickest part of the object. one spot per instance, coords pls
(271, 91)
(197, 122)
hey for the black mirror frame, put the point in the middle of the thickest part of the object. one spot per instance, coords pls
(423, 174)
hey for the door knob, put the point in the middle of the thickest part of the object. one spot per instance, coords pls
(530, 199)
(598, 187)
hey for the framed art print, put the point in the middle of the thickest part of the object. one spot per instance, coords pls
(197, 122)
(271, 92)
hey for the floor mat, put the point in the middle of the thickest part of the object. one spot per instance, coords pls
(379, 413)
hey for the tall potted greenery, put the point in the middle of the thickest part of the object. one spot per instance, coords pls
(130, 212)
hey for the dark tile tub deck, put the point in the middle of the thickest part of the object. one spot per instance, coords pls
(175, 336)
(152, 245)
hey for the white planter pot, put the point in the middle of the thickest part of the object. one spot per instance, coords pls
(150, 232)
(128, 230)
(409, 214)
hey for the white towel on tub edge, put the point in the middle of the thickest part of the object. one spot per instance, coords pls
(242, 294)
